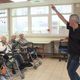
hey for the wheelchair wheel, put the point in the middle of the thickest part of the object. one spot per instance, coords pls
(22, 76)
(35, 67)
(40, 62)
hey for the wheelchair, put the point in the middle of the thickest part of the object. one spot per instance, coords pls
(63, 50)
(30, 55)
(9, 66)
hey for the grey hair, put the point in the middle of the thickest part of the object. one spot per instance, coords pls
(77, 17)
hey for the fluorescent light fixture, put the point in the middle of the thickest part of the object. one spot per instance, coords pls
(18, 0)
(36, 0)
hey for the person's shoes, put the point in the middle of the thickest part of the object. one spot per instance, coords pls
(25, 65)
(29, 65)
(21, 67)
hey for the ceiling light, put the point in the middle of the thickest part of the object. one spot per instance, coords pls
(18, 0)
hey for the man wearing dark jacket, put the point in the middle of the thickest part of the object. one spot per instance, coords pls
(74, 43)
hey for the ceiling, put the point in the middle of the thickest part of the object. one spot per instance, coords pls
(5, 1)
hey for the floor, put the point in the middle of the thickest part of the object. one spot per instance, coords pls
(51, 69)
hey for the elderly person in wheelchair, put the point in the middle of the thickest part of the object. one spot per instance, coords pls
(16, 47)
(27, 48)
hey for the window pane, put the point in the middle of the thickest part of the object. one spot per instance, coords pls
(62, 27)
(20, 24)
(39, 24)
(61, 22)
(55, 18)
(57, 23)
(3, 26)
(63, 8)
(19, 11)
(40, 10)
(3, 13)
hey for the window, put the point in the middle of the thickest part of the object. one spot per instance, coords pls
(56, 19)
(20, 12)
(3, 22)
(20, 20)
(40, 20)
(20, 25)
(63, 9)
(39, 24)
(39, 10)
(39, 17)
(57, 25)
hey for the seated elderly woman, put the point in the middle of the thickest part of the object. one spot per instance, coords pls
(26, 47)
(14, 42)
(15, 46)
(22, 41)
(3, 49)
(3, 44)
(23, 46)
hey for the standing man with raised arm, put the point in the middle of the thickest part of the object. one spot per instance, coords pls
(74, 43)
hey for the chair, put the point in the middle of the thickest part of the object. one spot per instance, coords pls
(63, 49)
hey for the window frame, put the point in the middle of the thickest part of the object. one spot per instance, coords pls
(5, 17)
(30, 33)
(18, 16)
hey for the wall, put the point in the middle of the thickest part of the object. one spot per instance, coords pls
(77, 8)
(43, 39)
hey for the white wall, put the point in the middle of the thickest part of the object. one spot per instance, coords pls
(77, 9)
